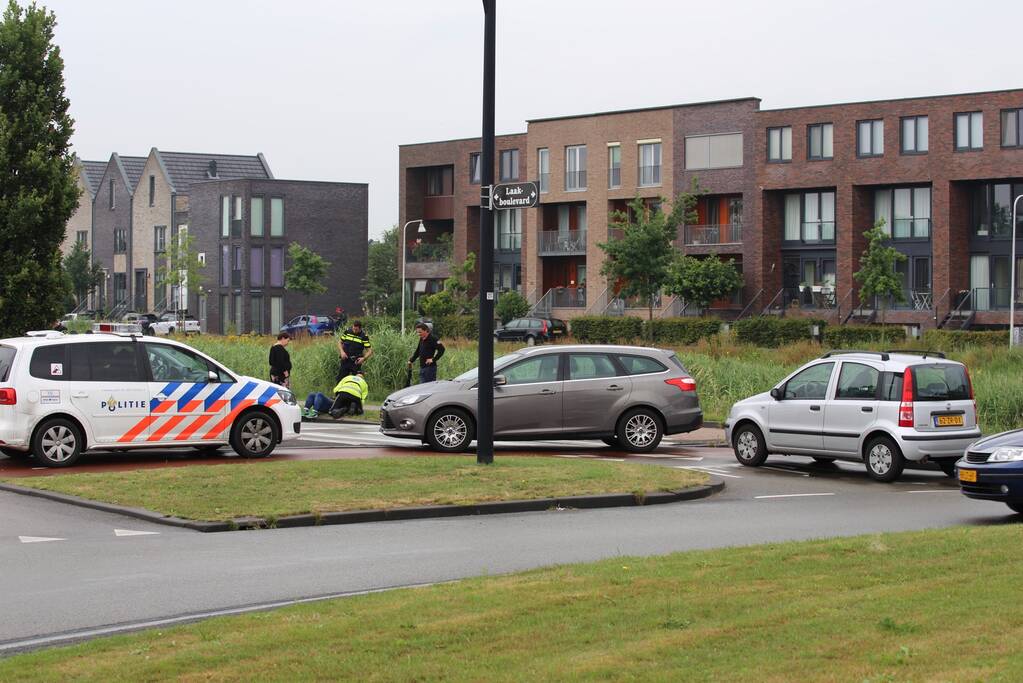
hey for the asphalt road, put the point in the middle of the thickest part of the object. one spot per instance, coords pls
(98, 574)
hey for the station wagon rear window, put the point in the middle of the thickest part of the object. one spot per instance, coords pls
(940, 383)
(48, 362)
(640, 365)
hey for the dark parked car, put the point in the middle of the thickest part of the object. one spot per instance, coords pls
(310, 324)
(528, 330)
(993, 469)
(557, 328)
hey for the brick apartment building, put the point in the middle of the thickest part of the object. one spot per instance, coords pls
(789, 193)
(132, 208)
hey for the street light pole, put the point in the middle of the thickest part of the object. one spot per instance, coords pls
(404, 260)
(485, 374)
(1012, 276)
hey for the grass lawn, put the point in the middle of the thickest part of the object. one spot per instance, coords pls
(922, 606)
(276, 489)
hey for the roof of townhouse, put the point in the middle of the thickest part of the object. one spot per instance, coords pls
(92, 172)
(132, 169)
(185, 168)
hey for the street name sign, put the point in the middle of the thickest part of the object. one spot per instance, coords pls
(515, 196)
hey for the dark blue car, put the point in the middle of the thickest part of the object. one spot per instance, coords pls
(310, 324)
(993, 469)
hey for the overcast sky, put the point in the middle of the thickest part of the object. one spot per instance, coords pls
(327, 90)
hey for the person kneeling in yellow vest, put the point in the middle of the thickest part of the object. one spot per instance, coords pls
(349, 394)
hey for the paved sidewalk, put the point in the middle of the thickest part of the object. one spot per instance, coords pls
(702, 436)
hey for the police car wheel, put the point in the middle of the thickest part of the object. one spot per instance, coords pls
(57, 443)
(254, 435)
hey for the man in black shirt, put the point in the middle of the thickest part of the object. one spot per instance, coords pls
(280, 361)
(428, 351)
(354, 348)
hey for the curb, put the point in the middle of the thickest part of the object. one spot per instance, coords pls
(393, 514)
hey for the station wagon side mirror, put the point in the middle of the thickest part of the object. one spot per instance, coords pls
(776, 393)
(500, 380)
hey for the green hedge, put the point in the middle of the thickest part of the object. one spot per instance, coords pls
(606, 329)
(957, 340)
(850, 336)
(681, 330)
(456, 326)
(772, 332)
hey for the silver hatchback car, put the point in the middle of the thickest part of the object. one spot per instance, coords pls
(627, 396)
(880, 408)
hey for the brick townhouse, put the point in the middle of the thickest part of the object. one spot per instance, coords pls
(788, 195)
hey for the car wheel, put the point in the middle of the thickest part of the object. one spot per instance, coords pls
(16, 455)
(639, 430)
(1016, 507)
(948, 466)
(170, 330)
(254, 435)
(883, 459)
(450, 430)
(530, 340)
(748, 445)
(612, 441)
(57, 443)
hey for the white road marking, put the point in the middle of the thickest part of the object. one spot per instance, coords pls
(706, 470)
(793, 495)
(129, 532)
(38, 539)
(933, 491)
(782, 469)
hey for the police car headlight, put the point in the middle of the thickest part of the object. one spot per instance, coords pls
(287, 397)
(1006, 455)
(410, 399)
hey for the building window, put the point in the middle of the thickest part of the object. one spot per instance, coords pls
(256, 267)
(120, 288)
(82, 237)
(276, 313)
(256, 216)
(906, 212)
(575, 168)
(714, 151)
(277, 267)
(110, 189)
(160, 239)
(1012, 128)
(120, 241)
(649, 164)
(474, 168)
(810, 217)
(237, 312)
(236, 270)
(439, 181)
(256, 314)
(820, 141)
(225, 314)
(870, 138)
(152, 190)
(237, 208)
(225, 216)
(779, 144)
(509, 164)
(508, 236)
(969, 130)
(914, 135)
(543, 165)
(614, 165)
(276, 217)
(225, 266)
(992, 209)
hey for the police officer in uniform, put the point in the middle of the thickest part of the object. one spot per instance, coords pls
(355, 350)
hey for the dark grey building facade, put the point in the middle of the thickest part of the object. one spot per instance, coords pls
(244, 227)
(112, 229)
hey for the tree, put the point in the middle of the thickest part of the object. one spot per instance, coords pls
(38, 192)
(639, 262)
(877, 276)
(83, 274)
(306, 273)
(183, 269)
(511, 305)
(382, 288)
(700, 281)
(454, 299)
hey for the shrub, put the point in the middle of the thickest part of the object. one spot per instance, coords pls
(957, 340)
(511, 305)
(374, 324)
(850, 336)
(772, 332)
(606, 329)
(681, 330)
(457, 326)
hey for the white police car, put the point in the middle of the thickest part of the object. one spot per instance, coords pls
(62, 395)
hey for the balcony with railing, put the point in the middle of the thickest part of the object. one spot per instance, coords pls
(649, 175)
(994, 299)
(807, 296)
(819, 232)
(562, 243)
(700, 235)
(575, 181)
(429, 252)
(614, 177)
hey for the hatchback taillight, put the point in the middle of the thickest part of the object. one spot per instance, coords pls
(906, 407)
(544, 326)
(683, 383)
(8, 397)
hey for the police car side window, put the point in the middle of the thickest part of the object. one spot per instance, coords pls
(49, 362)
(105, 362)
(171, 364)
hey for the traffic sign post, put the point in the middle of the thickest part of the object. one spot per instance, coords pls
(485, 361)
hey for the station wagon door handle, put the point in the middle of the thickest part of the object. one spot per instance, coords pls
(614, 387)
(547, 392)
(815, 408)
(867, 409)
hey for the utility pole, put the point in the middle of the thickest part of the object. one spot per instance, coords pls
(485, 363)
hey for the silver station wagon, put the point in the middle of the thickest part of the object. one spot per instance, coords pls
(627, 396)
(882, 408)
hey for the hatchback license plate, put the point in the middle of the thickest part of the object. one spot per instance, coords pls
(968, 475)
(948, 421)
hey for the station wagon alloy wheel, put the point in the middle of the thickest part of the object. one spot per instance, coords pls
(640, 430)
(450, 430)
